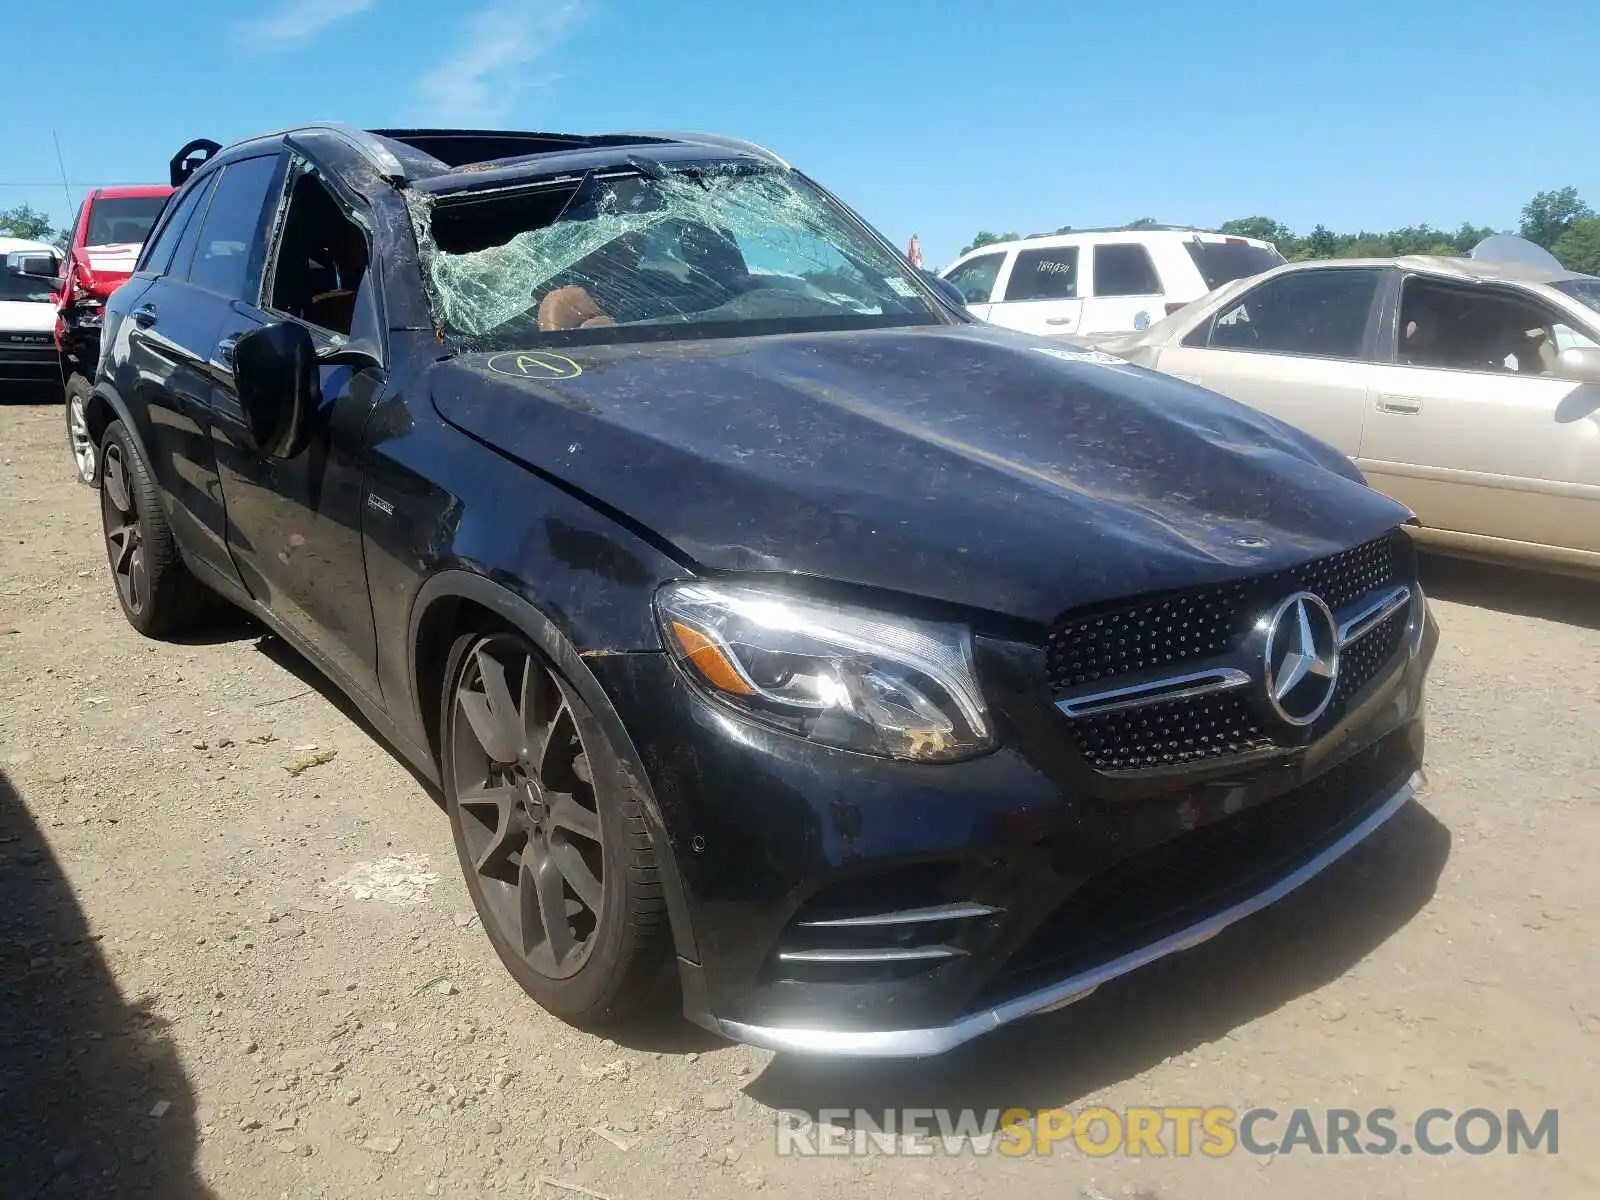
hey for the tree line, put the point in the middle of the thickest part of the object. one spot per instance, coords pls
(25, 221)
(1558, 220)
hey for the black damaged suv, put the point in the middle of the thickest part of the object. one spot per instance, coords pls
(767, 622)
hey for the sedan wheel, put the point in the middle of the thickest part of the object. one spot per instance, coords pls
(83, 448)
(525, 807)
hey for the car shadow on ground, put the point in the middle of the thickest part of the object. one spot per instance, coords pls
(93, 1098)
(296, 664)
(1519, 591)
(1307, 940)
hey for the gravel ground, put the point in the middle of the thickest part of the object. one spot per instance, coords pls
(220, 978)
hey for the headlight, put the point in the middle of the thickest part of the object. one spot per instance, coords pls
(847, 677)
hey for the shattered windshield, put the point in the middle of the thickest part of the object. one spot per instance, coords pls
(644, 252)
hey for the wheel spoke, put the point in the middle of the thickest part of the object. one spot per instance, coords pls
(553, 738)
(567, 813)
(122, 541)
(116, 485)
(576, 872)
(543, 903)
(138, 582)
(502, 799)
(493, 714)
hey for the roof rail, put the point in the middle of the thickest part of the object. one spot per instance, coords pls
(713, 139)
(368, 144)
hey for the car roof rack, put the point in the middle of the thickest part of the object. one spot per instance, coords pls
(191, 158)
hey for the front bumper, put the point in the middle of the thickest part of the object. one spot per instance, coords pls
(912, 1043)
(32, 362)
(846, 905)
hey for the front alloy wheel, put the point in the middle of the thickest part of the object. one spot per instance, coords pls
(527, 808)
(550, 833)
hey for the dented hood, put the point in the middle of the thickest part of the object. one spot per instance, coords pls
(964, 464)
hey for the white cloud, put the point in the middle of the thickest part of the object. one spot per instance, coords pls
(296, 22)
(490, 64)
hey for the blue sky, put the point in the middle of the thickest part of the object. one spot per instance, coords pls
(936, 118)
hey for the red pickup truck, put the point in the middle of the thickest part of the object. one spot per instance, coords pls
(107, 234)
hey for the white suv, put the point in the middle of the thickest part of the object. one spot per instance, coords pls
(1104, 282)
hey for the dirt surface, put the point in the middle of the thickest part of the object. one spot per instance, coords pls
(221, 978)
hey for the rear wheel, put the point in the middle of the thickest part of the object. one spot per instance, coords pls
(85, 454)
(157, 593)
(549, 833)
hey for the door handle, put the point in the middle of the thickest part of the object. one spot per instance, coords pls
(144, 316)
(1059, 320)
(1405, 406)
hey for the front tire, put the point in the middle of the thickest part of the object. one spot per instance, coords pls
(550, 834)
(85, 454)
(158, 595)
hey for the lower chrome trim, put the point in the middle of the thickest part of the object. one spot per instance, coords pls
(906, 916)
(915, 1043)
(859, 957)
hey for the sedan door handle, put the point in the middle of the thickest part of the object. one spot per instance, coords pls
(1405, 406)
(144, 316)
(1058, 320)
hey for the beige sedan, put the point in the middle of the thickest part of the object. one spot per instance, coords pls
(1467, 390)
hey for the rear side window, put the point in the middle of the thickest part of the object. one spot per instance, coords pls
(1044, 275)
(1125, 270)
(1223, 262)
(1322, 314)
(158, 254)
(229, 256)
(975, 278)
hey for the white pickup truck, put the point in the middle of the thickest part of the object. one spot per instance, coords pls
(28, 354)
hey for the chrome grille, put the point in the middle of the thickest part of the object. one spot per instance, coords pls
(1179, 630)
(1199, 623)
(1363, 660)
(1171, 733)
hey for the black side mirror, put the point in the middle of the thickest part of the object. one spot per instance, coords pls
(275, 374)
(37, 266)
(945, 288)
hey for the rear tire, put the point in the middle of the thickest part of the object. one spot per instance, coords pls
(550, 834)
(85, 454)
(158, 595)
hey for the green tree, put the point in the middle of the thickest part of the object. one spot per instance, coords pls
(985, 238)
(1321, 242)
(1550, 214)
(1578, 247)
(1262, 228)
(25, 221)
(1142, 223)
(1468, 236)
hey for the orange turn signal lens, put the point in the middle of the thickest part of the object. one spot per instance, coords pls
(710, 661)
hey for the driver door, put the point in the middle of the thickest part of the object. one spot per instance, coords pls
(975, 280)
(294, 525)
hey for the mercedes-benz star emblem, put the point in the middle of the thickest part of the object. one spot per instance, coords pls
(1302, 658)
